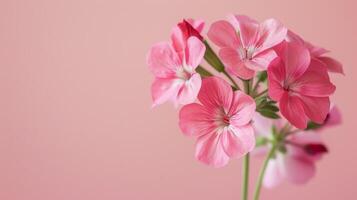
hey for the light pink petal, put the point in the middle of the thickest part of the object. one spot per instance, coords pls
(271, 33)
(242, 109)
(334, 117)
(194, 52)
(315, 81)
(273, 174)
(164, 89)
(178, 41)
(296, 59)
(223, 34)
(332, 64)
(229, 56)
(316, 108)
(261, 61)
(189, 90)
(293, 37)
(298, 169)
(215, 92)
(262, 125)
(241, 70)
(195, 120)
(248, 29)
(237, 141)
(292, 109)
(163, 60)
(276, 77)
(209, 150)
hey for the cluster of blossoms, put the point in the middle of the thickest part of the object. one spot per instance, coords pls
(270, 93)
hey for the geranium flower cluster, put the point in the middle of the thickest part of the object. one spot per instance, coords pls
(267, 90)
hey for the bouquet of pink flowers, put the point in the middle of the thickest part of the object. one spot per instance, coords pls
(269, 94)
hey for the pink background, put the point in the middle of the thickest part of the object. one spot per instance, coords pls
(75, 117)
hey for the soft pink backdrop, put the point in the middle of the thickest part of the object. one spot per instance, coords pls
(75, 117)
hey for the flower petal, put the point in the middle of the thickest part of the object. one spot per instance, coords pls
(316, 108)
(215, 93)
(276, 77)
(248, 29)
(189, 90)
(195, 120)
(332, 64)
(241, 70)
(223, 34)
(238, 141)
(261, 61)
(229, 56)
(271, 33)
(292, 109)
(164, 89)
(273, 174)
(209, 150)
(194, 52)
(163, 60)
(298, 169)
(242, 109)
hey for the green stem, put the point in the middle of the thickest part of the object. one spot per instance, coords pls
(247, 86)
(232, 80)
(203, 72)
(245, 185)
(262, 172)
(261, 93)
(212, 58)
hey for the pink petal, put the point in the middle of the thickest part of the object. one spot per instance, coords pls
(163, 60)
(261, 61)
(237, 141)
(189, 90)
(178, 41)
(296, 59)
(298, 169)
(223, 34)
(242, 109)
(271, 33)
(334, 117)
(316, 108)
(292, 109)
(315, 51)
(332, 64)
(195, 120)
(215, 93)
(195, 51)
(164, 89)
(262, 125)
(229, 56)
(209, 150)
(273, 174)
(197, 24)
(276, 77)
(315, 81)
(247, 28)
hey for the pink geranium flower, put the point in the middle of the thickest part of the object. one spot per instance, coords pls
(245, 45)
(300, 85)
(221, 122)
(318, 54)
(175, 76)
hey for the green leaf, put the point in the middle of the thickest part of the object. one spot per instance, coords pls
(269, 114)
(262, 76)
(312, 125)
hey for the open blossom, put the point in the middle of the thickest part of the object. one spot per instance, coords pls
(246, 45)
(221, 122)
(301, 85)
(318, 54)
(175, 76)
(296, 163)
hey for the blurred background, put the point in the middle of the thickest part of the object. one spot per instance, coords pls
(75, 109)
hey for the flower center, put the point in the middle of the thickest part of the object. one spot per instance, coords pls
(246, 53)
(222, 119)
(183, 73)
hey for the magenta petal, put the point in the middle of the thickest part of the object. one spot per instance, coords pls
(209, 150)
(271, 33)
(315, 81)
(164, 89)
(332, 64)
(242, 109)
(298, 169)
(261, 61)
(194, 52)
(276, 78)
(223, 34)
(293, 110)
(316, 108)
(215, 92)
(237, 141)
(195, 120)
(163, 60)
(189, 90)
